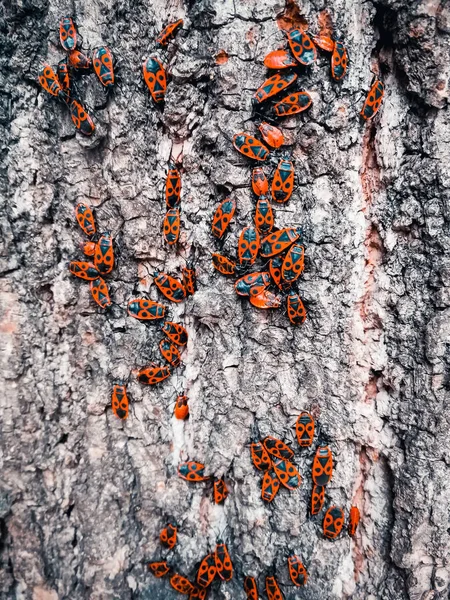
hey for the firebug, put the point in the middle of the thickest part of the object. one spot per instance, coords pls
(170, 352)
(249, 146)
(68, 34)
(223, 264)
(198, 592)
(295, 309)
(297, 571)
(173, 187)
(83, 270)
(260, 185)
(207, 570)
(273, 590)
(283, 181)
(170, 287)
(175, 332)
(286, 473)
(264, 219)
(279, 241)
(85, 218)
(277, 448)
(279, 59)
(81, 119)
(220, 491)
(222, 217)
(88, 248)
(159, 568)
(302, 47)
(104, 254)
(168, 536)
(102, 60)
(271, 135)
(260, 457)
(373, 100)
(153, 374)
(317, 499)
(78, 60)
(248, 245)
(252, 284)
(304, 429)
(62, 72)
(168, 32)
(155, 78)
(223, 562)
(50, 82)
(189, 279)
(119, 401)
(270, 485)
(181, 410)
(181, 584)
(293, 264)
(171, 226)
(322, 468)
(99, 292)
(265, 300)
(274, 85)
(192, 471)
(275, 269)
(145, 310)
(333, 522)
(353, 520)
(250, 588)
(324, 42)
(339, 61)
(293, 104)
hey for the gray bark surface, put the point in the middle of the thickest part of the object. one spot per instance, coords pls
(83, 496)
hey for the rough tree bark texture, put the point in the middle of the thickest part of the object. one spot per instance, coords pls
(83, 495)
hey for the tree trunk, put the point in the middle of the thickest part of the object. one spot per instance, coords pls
(85, 495)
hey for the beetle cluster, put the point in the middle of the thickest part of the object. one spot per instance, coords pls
(216, 565)
(181, 409)
(302, 52)
(171, 288)
(171, 225)
(175, 334)
(273, 456)
(102, 254)
(101, 251)
(282, 253)
(297, 573)
(171, 230)
(282, 247)
(194, 472)
(175, 290)
(153, 70)
(169, 346)
(60, 83)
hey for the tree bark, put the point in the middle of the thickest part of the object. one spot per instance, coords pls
(83, 495)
